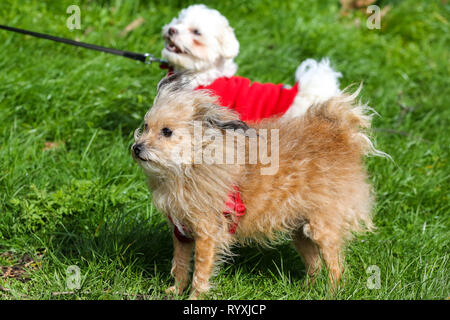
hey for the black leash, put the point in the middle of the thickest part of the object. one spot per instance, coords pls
(146, 58)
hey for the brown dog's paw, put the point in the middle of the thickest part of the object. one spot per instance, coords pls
(193, 296)
(196, 295)
(174, 290)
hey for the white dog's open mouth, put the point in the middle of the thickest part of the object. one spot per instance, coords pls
(172, 47)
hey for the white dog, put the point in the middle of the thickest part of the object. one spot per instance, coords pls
(201, 40)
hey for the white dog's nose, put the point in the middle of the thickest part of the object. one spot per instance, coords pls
(172, 31)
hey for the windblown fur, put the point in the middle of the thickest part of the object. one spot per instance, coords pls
(319, 196)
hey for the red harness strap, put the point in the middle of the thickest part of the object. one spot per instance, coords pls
(234, 205)
(182, 235)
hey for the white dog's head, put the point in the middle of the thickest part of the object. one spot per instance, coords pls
(200, 39)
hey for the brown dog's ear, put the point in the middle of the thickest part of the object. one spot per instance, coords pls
(223, 125)
(176, 81)
(218, 117)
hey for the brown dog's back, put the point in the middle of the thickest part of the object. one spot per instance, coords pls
(320, 178)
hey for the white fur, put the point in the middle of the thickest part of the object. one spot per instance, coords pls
(318, 82)
(213, 59)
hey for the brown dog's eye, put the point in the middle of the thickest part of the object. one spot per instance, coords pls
(145, 127)
(196, 32)
(166, 132)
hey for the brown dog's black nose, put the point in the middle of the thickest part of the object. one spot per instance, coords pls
(172, 31)
(137, 148)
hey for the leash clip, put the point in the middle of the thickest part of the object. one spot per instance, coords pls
(149, 59)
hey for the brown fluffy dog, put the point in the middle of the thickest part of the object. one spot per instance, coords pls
(318, 195)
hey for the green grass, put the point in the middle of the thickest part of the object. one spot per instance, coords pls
(85, 202)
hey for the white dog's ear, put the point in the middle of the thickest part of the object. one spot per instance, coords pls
(229, 45)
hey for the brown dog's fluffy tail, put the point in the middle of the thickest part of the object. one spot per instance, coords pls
(346, 113)
(338, 131)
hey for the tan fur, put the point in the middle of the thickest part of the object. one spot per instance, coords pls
(319, 196)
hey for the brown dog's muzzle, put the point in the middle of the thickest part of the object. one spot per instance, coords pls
(137, 149)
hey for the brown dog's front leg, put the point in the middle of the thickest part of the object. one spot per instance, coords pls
(182, 252)
(204, 262)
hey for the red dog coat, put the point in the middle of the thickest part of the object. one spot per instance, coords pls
(252, 101)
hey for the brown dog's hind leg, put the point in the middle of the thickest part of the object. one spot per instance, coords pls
(330, 243)
(205, 248)
(308, 251)
(332, 257)
(182, 253)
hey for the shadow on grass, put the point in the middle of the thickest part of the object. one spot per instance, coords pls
(279, 261)
(117, 243)
(145, 247)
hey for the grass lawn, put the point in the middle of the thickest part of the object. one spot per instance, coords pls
(70, 193)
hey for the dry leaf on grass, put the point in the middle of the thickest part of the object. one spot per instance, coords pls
(88, 30)
(361, 5)
(384, 11)
(49, 145)
(133, 25)
(356, 4)
(349, 5)
(19, 270)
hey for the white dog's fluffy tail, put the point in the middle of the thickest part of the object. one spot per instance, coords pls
(318, 79)
(318, 82)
